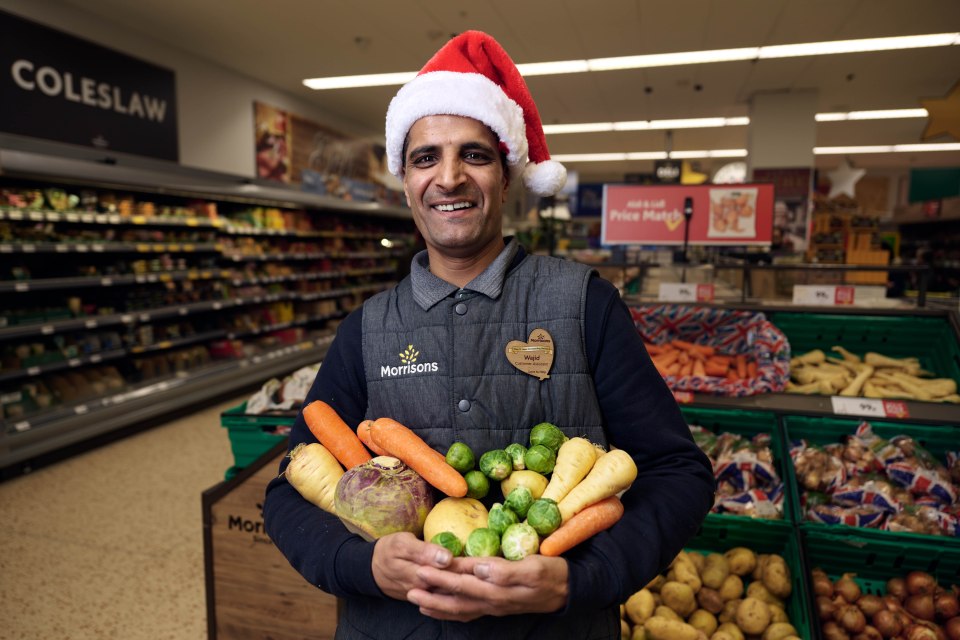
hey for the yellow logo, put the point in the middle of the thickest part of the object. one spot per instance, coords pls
(409, 355)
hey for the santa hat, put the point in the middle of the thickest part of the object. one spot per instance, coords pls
(473, 76)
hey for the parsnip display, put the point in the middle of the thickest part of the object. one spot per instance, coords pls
(873, 376)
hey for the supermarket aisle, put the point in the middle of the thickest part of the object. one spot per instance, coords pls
(109, 544)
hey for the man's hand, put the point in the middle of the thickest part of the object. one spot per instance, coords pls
(474, 587)
(397, 559)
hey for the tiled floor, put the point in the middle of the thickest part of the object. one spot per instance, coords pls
(109, 544)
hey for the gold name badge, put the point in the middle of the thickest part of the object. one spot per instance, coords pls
(533, 357)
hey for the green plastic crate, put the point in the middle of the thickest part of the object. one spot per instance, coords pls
(252, 435)
(825, 430)
(748, 424)
(931, 339)
(719, 534)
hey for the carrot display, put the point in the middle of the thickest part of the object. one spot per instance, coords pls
(683, 358)
(589, 522)
(363, 432)
(334, 434)
(400, 442)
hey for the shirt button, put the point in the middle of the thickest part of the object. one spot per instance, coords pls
(461, 309)
(463, 405)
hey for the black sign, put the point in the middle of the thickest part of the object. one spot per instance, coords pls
(667, 171)
(59, 87)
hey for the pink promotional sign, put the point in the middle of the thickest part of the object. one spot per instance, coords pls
(740, 214)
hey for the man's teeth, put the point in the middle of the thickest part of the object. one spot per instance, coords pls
(454, 207)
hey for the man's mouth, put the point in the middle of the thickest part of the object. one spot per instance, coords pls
(454, 206)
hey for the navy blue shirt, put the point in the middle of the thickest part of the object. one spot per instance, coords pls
(664, 507)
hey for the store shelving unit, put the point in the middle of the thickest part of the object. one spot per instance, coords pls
(155, 309)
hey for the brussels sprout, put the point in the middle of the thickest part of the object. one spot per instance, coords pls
(548, 435)
(516, 451)
(544, 516)
(477, 485)
(519, 501)
(540, 459)
(448, 541)
(460, 457)
(496, 464)
(483, 542)
(500, 518)
(519, 541)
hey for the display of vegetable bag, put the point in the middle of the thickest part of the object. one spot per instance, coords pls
(758, 352)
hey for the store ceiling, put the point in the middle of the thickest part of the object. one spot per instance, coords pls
(284, 41)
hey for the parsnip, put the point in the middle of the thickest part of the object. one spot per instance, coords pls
(847, 356)
(612, 473)
(918, 392)
(811, 357)
(880, 360)
(574, 461)
(805, 389)
(935, 386)
(853, 389)
(314, 473)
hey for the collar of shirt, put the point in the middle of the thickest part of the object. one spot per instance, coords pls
(428, 289)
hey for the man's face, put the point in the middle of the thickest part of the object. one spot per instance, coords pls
(455, 184)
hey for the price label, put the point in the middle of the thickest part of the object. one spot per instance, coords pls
(106, 282)
(90, 324)
(29, 248)
(679, 292)
(824, 295)
(869, 407)
(21, 286)
(22, 426)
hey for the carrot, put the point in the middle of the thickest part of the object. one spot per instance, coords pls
(666, 359)
(713, 369)
(673, 369)
(732, 375)
(741, 366)
(752, 369)
(400, 442)
(334, 434)
(686, 369)
(698, 369)
(692, 347)
(653, 349)
(596, 518)
(363, 432)
(720, 361)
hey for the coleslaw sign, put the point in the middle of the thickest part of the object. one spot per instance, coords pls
(653, 215)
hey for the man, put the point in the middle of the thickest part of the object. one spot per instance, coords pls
(457, 138)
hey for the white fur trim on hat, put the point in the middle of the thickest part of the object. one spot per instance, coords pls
(457, 94)
(545, 178)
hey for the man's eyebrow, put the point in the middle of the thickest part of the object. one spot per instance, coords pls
(476, 146)
(427, 148)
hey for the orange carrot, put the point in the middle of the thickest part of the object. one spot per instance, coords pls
(673, 369)
(698, 369)
(692, 347)
(752, 369)
(596, 518)
(741, 366)
(363, 432)
(653, 349)
(686, 369)
(732, 375)
(683, 358)
(400, 442)
(334, 434)
(713, 369)
(668, 358)
(723, 361)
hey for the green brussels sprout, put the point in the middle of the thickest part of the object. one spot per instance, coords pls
(519, 541)
(483, 542)
(544, 516)
(460, 457)
(519, 501)
(477, 485)
(448, 541)
(496, 464)
(548, 435)
(541, 459)
(500, 518)
(516, 451)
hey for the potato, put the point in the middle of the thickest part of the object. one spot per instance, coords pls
(665, 612)
(741, 560)
(624, 629)
(776, 577)
(777, 614)
(623, 612)
(779, 631)
(686, 572)
(715, 571)
(753, 616)
(532, 480)
(638, 633)
(459, 516)
(658, 628)
(679, 597)
(640, 606)
(654, 585)
(698, 560)
(722, 635)
(731, 629)
(704, 621)
(710, 600)
(760, 592)
(732, 588)
(729, 611)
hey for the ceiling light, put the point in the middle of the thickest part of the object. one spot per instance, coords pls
(888, 148)
(713, 153)
(880, 114)
(669, 59)
(586, 127)
(742, 153)
(589, 157)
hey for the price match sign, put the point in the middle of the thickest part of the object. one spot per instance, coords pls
(679, 292)
(653, 215)
(870, 407)
(824, 295)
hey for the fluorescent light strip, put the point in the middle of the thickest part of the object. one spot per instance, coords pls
(887, 148)
(880, 114)
(742, 153)
(670, 59)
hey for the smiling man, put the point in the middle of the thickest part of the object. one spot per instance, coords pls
(433, 354)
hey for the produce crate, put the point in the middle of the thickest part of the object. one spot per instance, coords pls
(252, 435)
(763, 536)
(930, 339)
(824, 430)
(749, 424)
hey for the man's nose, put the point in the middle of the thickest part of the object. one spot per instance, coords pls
(451, 175)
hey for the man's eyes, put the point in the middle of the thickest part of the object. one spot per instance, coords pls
(473, 157)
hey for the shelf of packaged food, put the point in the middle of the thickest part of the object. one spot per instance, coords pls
(81, 282)
(60, 365)
(313, 255)
(65, 425)
(239, 335)
(316, 275)
(110, 219)
(109, 247)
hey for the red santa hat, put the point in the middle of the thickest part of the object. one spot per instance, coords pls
(472, 76)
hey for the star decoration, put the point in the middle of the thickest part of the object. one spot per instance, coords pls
(944, 115)
(844, 179)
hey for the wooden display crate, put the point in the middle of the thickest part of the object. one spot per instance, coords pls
(252, 591)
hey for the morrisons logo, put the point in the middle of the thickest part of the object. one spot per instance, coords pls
(408, 365)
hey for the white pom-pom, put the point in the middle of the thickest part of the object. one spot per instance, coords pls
(545, 178)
